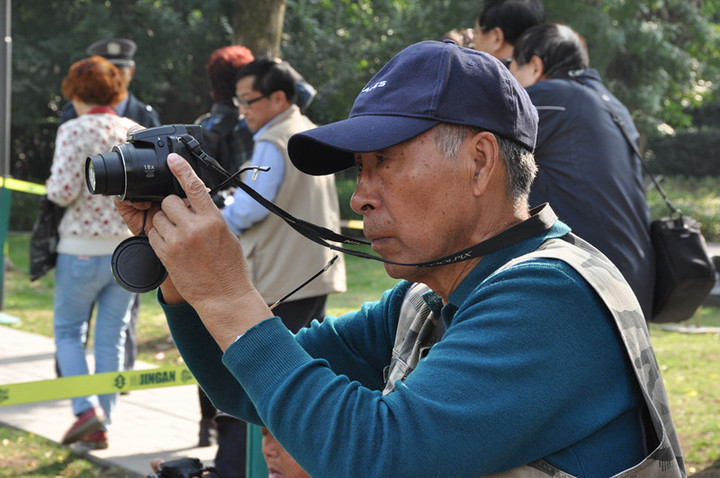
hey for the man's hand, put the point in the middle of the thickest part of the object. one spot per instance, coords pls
(134, 214)
(204, 258)
(138, 217)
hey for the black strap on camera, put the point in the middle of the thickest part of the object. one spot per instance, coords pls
(541, 219)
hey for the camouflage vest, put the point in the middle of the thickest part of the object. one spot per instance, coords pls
(418, 330)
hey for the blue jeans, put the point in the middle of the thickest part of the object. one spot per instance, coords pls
(80, 282)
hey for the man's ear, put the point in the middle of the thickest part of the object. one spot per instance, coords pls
(485, 161)
(497, 40)
(537, 68)
(279, 98)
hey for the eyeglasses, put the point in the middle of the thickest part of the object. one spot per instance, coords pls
(240, 102)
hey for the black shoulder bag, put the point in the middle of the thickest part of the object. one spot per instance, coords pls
(44, 238)
(684, 270)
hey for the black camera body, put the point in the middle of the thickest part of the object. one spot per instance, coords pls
(138, 170)
(184, 468)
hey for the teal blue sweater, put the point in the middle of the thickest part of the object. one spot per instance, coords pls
(530, 367)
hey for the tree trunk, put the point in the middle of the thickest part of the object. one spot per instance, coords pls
(258, 25)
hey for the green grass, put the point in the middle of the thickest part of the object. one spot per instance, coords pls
(690, 364)
(30, 456)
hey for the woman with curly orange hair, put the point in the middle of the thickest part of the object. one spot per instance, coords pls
(89, 232)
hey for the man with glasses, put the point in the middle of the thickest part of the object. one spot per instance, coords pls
(266, 94)
(270, 95)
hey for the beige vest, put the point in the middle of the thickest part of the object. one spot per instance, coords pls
(279, 258)
(416, 332)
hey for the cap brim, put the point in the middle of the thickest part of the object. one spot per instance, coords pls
(330, 148)
(121, 62)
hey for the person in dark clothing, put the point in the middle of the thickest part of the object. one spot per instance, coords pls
(586, 169)
(226, 136)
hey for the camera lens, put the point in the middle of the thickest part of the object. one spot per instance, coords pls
(90, 177)
(105, 173)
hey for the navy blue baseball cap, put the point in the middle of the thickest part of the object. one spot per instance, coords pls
(425, 84)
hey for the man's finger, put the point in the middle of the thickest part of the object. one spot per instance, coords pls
(190, 182)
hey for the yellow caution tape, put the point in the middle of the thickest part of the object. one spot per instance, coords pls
(100, 383)
(22, 186)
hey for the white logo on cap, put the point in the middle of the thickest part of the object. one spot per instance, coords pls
(113, 48)
(379, 84)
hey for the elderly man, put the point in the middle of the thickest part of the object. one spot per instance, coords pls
(545, 366)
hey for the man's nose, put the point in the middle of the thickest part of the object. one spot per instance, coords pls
(364, 199)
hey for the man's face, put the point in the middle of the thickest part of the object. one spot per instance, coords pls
(126, 75)
(416, 203)
(260, 109)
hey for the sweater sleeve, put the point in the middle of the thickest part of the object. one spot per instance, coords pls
(512, 381)
(356, 345)
(67, 175)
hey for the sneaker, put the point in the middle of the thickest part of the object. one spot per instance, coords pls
(88, 422)
(95, 441)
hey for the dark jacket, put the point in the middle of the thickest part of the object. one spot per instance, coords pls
(226, 136)
(589, 175)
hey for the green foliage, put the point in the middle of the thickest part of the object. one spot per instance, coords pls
(338, 46)
(657, 56)
(23, 211)
(690, 152)
(706, 116)
(174, 37)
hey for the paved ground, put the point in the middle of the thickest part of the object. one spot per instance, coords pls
(161, 422)
(714, 248)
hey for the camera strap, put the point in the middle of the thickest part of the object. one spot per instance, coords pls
(541, 219)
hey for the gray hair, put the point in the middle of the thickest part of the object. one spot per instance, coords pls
(519, 161)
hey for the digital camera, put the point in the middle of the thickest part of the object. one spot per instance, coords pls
(138, 170)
